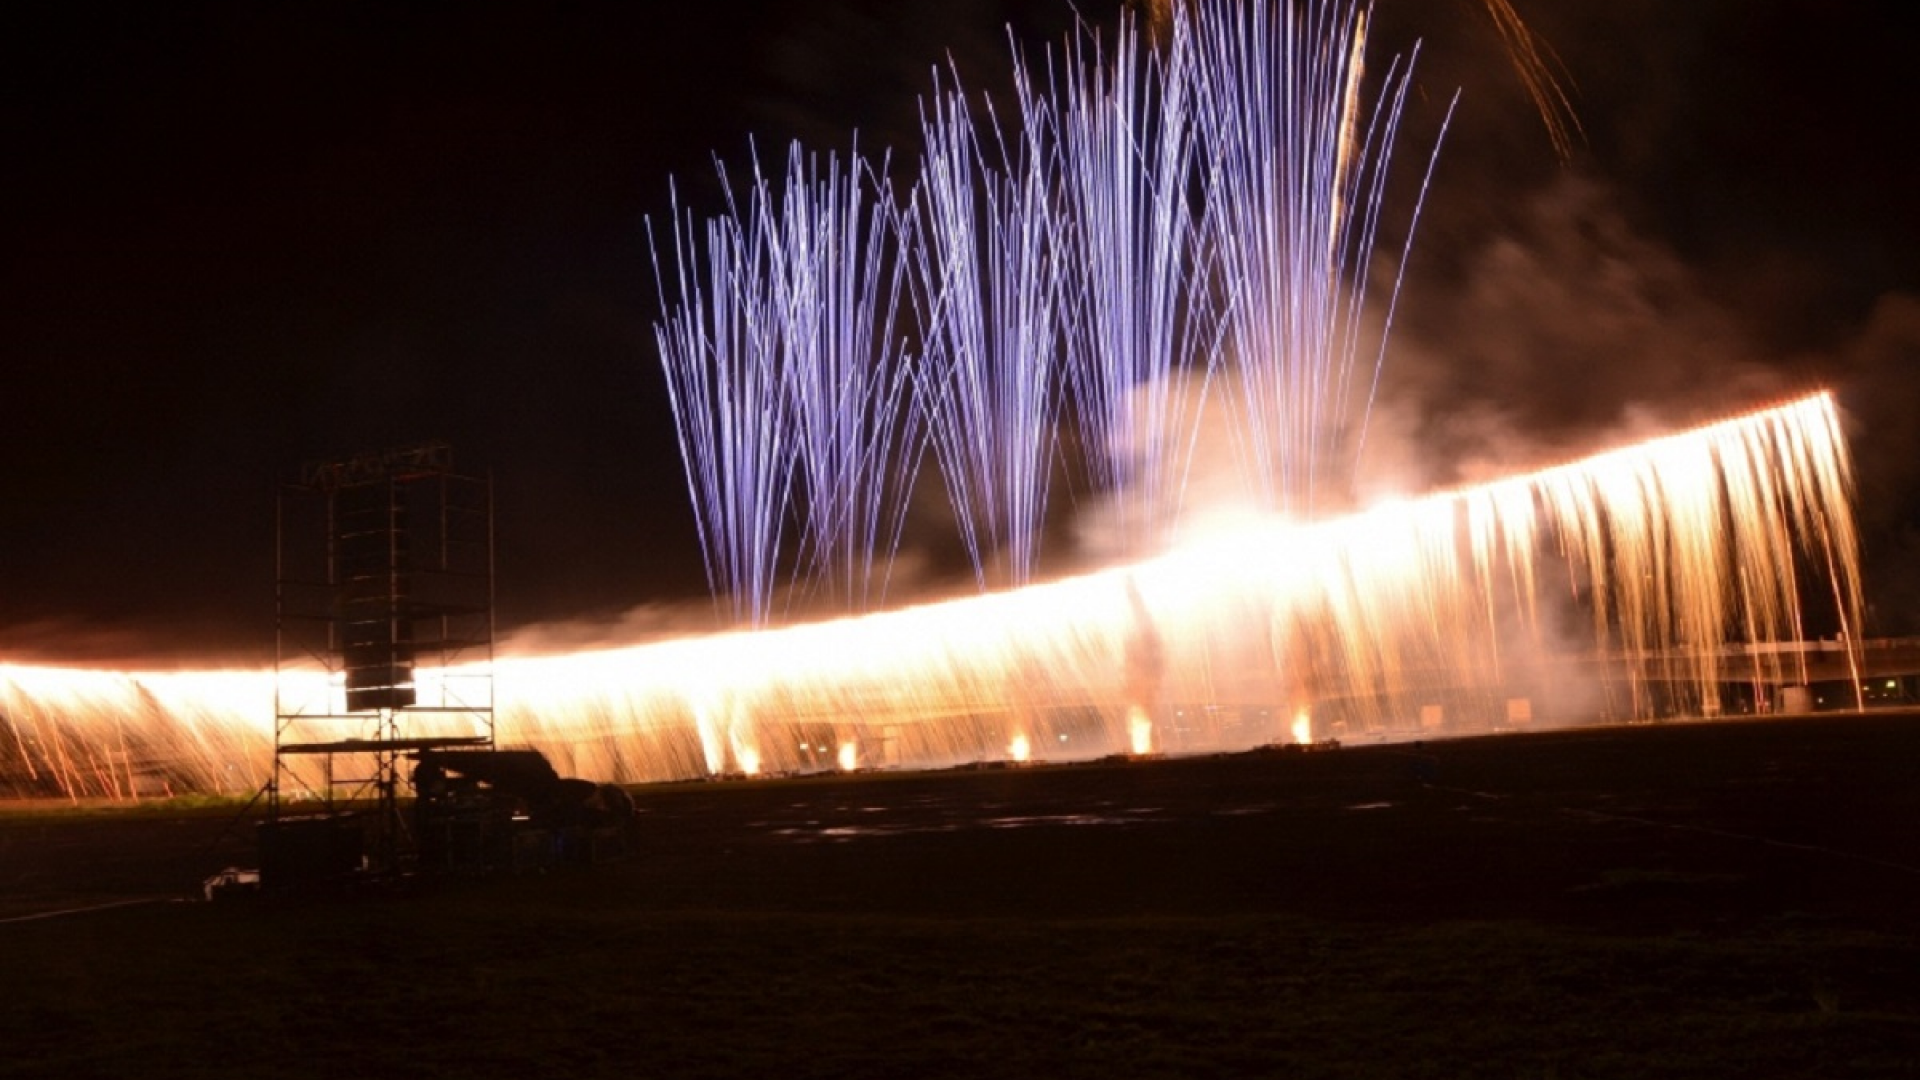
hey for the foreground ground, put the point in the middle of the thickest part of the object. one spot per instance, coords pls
(1687, 901)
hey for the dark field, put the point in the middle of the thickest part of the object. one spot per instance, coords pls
(1734, 899)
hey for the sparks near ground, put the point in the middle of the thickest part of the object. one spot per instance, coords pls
(1162, 251)
(1259, 635)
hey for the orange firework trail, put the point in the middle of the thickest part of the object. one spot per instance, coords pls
(74, 732)
(1684, 550)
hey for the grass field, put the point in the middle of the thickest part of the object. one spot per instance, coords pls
(1730, 899)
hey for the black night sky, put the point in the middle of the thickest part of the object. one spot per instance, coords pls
(242, 236)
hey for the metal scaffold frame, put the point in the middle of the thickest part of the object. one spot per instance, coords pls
(384, 648)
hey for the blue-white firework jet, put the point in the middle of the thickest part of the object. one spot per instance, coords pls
(1199, 213)
(789, 383)
(1141, 317)
(720, 347)
(991, 272)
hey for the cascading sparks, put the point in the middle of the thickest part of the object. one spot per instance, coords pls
(75, 732)
(1676, 554)
(1199, 211)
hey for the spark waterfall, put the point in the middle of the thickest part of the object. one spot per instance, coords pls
(1676, 552)
(1359, 622)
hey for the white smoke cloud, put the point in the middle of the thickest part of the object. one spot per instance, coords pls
(1564, 333)
(636, 625)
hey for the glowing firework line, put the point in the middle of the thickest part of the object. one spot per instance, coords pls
(1358, 621)
(1680, 547)
(1536, 75)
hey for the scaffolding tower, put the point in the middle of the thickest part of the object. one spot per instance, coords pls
(384, 649)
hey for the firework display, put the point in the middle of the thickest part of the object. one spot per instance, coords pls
(1164, 243)
(1193, 214)
(1362, 625)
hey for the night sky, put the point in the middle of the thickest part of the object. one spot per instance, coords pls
(239, 237)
